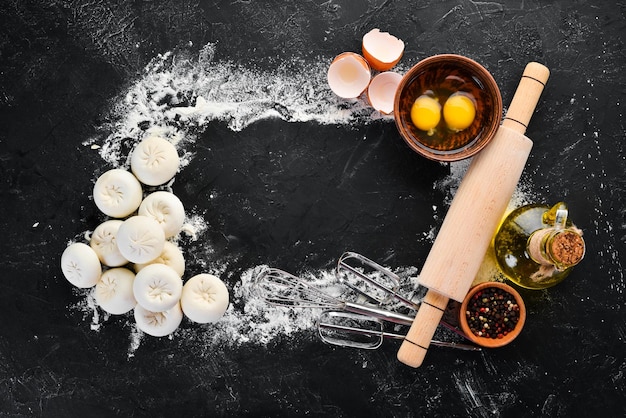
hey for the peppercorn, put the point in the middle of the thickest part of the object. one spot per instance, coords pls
(492, 314)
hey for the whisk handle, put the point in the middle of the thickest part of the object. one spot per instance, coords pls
(415, 344)
(385, 315)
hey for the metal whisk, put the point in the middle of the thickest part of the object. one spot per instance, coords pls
(348, 329)
(343, 323)
(279, 288)
(370, 280)
(380, 285)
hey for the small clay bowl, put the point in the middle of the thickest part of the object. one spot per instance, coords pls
(488, 341)
(445, 75)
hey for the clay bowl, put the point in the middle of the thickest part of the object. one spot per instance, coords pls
(467, 305)
(444, 75)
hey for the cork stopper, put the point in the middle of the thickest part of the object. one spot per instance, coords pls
(567, 248)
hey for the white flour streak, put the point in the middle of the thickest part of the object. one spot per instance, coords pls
(179, 96)
(259, 322)
(479, 402)
(135, 340)
(465, 383)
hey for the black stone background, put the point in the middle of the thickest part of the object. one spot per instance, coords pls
(62, 62)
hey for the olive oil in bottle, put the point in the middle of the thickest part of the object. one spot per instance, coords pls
(537, 246)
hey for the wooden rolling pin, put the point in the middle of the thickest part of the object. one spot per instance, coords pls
(474, 215)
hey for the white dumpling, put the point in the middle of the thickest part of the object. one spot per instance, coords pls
(204, 299)
(117, 193)
(171, 256)
(80, 265)
(158, 324)
(154, 161)
(104, 243)
(114, 291)
(140, 239)
(157, 287)
(166, 209)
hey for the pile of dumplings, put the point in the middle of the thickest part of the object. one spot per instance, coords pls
(131, 261)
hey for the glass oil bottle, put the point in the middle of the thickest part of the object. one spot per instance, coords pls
(537, 245)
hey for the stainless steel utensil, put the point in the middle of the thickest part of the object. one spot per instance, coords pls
(356, 325)
(347, 329)
(370, 279)
(376, 283)
(279, 288)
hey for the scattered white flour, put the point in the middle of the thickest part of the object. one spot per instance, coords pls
(194, 225)
(135, 340)
(176, 98)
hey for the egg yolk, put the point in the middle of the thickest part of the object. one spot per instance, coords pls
(459, 112)
(426, 113)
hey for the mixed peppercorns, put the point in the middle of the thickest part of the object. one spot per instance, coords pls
(492, 313)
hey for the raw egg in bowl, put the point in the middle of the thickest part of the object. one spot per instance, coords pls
(447, 107)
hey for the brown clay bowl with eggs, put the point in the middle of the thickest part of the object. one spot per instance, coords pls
(441, 77)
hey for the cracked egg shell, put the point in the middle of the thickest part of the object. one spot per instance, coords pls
(349, 75)
(382, 50)
(381, 92)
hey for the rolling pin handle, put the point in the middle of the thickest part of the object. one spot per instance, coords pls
(415, 345)
(526, 97)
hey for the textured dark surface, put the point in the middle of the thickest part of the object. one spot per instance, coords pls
(327, 189)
